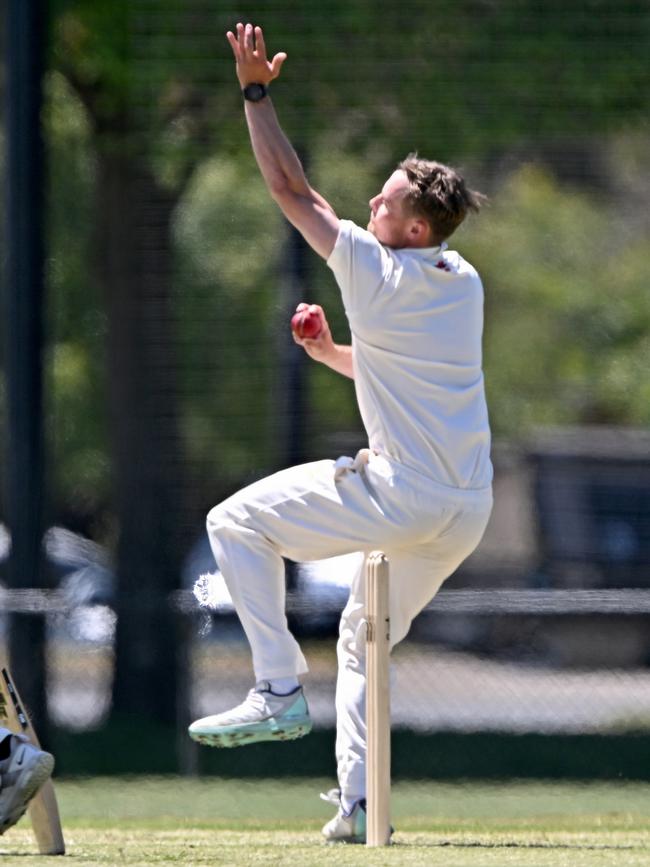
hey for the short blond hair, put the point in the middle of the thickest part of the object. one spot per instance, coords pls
(439, 194)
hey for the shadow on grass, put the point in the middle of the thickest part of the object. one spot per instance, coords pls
(477, 844)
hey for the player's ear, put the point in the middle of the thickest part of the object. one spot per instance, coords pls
(419, 229)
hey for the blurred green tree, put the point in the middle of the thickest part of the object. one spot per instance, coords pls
(77, 415)
(568, 312)
(144, 118)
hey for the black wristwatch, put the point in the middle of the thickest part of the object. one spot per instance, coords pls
(254, 92)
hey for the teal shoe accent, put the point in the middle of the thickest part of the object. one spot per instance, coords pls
(262, 717)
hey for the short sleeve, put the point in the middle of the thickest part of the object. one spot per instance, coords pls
(361, 265)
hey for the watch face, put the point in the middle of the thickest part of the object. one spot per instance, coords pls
(254, 92)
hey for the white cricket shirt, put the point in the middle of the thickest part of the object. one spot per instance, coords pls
(416, 317)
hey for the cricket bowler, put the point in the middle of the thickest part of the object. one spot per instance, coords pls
(421, 490)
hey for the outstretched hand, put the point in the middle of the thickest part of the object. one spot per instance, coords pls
(253, 66)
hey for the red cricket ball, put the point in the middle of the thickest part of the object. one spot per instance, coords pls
(306, 323)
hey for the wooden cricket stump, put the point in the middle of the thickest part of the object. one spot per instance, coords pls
(43, 809)
(377, 701)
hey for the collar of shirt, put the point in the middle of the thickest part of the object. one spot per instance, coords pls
(431, 253)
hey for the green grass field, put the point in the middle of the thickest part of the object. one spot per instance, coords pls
(169, 820)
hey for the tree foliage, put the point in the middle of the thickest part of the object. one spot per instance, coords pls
(522, 94)
(568, 314)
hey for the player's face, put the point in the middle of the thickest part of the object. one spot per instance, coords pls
(388, 221)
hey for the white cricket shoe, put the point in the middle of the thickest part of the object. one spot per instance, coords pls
(263, 716)
(21, 776)
(345, 828)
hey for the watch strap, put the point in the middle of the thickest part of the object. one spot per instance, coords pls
(255, 92)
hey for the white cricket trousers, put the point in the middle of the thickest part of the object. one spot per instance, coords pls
(324, 509)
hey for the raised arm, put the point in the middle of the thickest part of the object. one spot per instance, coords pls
(281, 169)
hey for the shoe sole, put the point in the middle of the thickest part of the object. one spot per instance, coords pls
(345, 841)
(241, 737)
(349, 841)
(39, 773)
(352, 840)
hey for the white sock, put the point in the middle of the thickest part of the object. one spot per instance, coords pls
(283, 685)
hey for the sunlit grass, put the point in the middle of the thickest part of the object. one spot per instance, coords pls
(140, 821)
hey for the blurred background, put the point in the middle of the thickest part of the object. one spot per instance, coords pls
(148, 369)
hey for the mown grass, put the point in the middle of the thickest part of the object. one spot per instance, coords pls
(173, 821)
